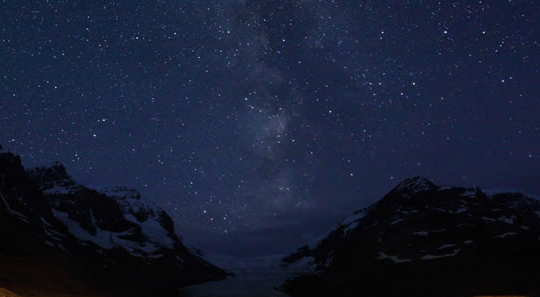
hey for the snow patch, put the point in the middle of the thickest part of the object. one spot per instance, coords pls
(45, 222)
(461, 210)
(395, 221)
(328, 261)
(438, 209)
(100, 239)
(509, 220)
(395, 259)
(54, 235)
(431, 257)
(350, 227)
(354, 217)
(469, 194)
(421, 233)
(442, 247)
(506, 234)
(14, 212)
(154, 231)
(444, 188)
(348, 223)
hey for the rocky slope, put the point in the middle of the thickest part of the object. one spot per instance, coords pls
(425, 240)
(58, 235)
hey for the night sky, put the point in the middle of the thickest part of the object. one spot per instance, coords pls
(257, 124)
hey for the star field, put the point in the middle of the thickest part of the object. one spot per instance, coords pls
(257, 125)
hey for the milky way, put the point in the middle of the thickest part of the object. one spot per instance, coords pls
(259, 124)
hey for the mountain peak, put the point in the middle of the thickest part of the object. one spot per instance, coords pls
(415, 185)
(51, 177)
(44, 215)
(422, 234)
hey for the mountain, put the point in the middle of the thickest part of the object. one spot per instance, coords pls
(426, 240)
(58, 236)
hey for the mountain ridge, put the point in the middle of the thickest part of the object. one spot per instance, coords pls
(419, 233)
(115, 235)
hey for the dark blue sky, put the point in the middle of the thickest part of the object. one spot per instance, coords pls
(259, 124)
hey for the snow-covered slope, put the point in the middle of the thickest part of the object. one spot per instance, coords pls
(129, 223)
(112, 230)
(421, 226)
